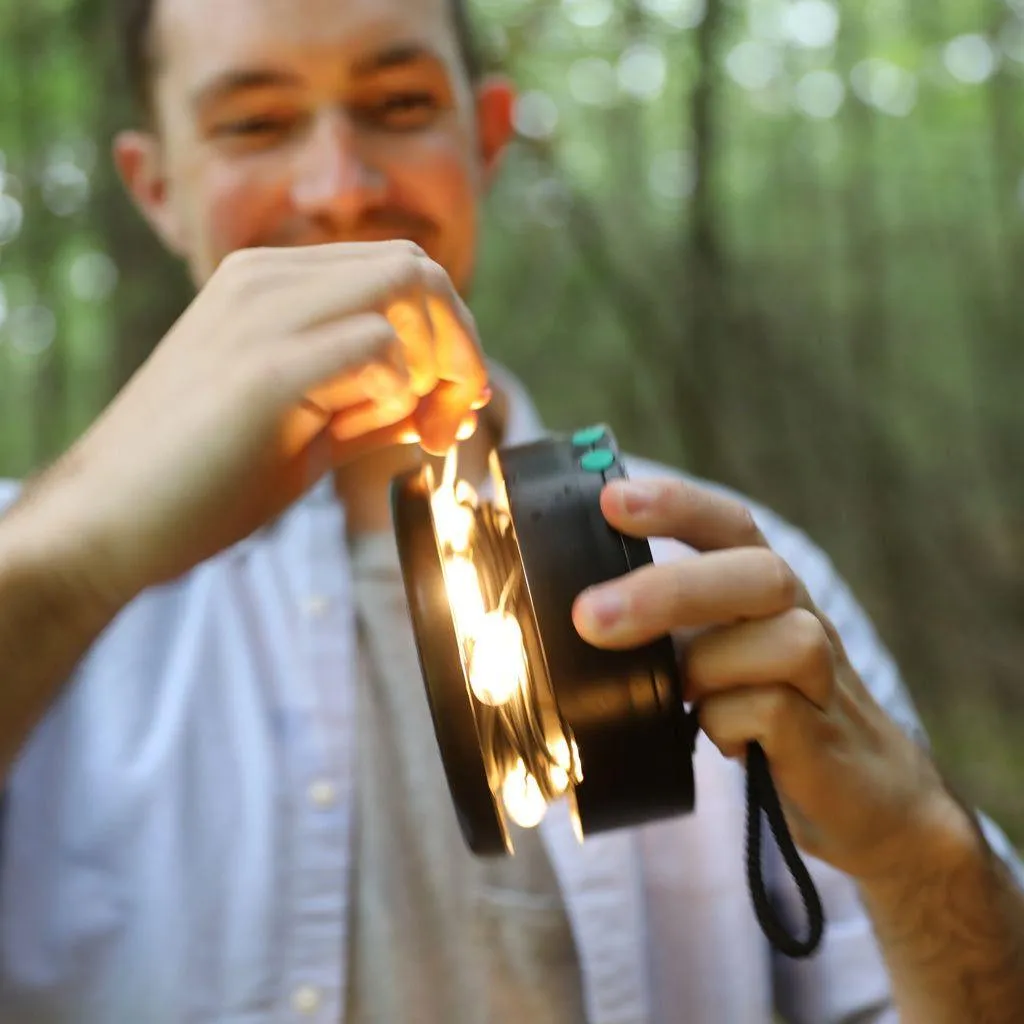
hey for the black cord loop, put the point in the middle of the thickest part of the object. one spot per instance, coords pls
(762, 797)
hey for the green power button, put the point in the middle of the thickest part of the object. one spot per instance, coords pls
(588, 436)
(598, 460)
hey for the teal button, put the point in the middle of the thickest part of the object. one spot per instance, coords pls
(598, 460)
(587, 436)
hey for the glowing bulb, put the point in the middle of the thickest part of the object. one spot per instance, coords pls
(454, 522)
(523, 799)
(566, 764)
(464, 493)
(467, 428)
(463, 586)
(450, 503)
(496, 660)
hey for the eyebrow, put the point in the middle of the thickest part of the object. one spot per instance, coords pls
(233, 82)
(397, 56)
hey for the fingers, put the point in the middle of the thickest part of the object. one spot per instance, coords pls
(698, 516)
(788, 727)
(374, 371)
(412, 322)
(437, 335)
(444, 416)
(385, 309)
(719, 588)
(457, 347)
(301, 426)
(315, 450)
(461, 376)
(792, 648)
(353, 361)
(402, 281)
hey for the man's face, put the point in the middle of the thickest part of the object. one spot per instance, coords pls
(296, 122)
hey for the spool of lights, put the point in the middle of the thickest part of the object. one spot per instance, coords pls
(525, 712)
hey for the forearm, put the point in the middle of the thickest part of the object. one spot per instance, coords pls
(50, 613)
(950, 922)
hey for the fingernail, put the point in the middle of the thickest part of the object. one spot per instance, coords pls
(637, 495)
(603, 608)
(482, 400)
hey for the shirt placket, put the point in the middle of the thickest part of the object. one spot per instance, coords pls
(320, 770)
(600, 882)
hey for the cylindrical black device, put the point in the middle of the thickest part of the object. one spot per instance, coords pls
(525, 711)
(620, 712)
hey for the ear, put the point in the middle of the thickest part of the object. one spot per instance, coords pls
(495, 101)
(139, 161)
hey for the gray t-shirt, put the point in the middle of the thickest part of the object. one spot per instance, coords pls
(438, 936)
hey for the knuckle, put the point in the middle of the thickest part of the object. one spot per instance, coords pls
(746, 526)
(672, 600)
(406, 271)
(242, 261)
(242, 272)
(437, 279)
(783, 586)
(775, 711)
(667, 497)
(812, 649)
(406, 247)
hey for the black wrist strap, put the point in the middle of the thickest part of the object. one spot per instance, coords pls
(762, 797)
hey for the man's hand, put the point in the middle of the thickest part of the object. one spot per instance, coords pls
(763, 664)
(288, 363)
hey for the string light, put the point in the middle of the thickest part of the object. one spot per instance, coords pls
(496, 660)
(531, 760)
(565, 764)
(522, 797)
(463, 586)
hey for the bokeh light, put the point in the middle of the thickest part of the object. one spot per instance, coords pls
(642, 71)
(885, 86)
(970, 59)
(819, 94)
(535, 115)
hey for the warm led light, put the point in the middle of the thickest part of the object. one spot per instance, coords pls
(454, 522)
(497, 480)
(463, 586)
(464, 493)
(452, 503)
(566, 766)
(523, 799)
(496, 662)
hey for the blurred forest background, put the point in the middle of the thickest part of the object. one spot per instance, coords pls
(777, 242)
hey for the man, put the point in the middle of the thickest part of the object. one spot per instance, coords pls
(223, 798)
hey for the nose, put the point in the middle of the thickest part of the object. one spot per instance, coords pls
(331, 175)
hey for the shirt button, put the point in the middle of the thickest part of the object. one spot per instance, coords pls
(305, 999)
(321, 793)
(316, 606)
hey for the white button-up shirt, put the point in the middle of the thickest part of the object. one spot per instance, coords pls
(177, 833)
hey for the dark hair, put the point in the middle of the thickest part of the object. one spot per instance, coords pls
(135, 24)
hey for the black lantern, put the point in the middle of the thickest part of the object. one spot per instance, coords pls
(526, 712)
